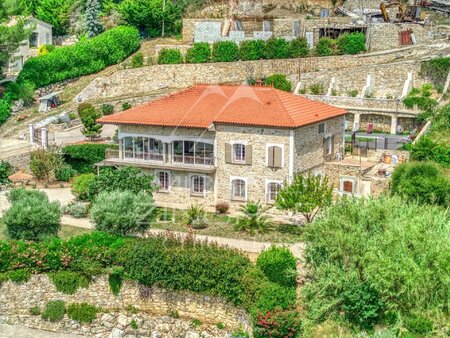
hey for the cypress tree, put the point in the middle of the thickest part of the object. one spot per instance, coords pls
(93, 23)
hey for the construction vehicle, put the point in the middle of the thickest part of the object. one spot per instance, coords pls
(406, 13)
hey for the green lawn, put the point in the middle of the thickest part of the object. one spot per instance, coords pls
(66, 231)
(223, 226)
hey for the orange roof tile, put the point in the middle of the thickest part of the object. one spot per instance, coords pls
(202, 105)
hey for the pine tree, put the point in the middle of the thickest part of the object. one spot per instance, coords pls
(93, 23)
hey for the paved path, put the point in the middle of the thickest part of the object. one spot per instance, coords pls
(16, 331)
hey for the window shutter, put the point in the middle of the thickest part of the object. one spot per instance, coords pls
(270, 154)
(227, 153)
(248, 154)
(277, 157)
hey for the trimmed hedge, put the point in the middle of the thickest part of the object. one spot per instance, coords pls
(82, 157)
(225, 51)
(85, 57)
(252, 50)
(82, 312)
(325, 47)
(351, 43)
(277, 48)
(200, 52)
(298, 48)
(170, 57)
(278, 264)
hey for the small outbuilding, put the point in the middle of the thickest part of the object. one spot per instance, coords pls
(49, 102)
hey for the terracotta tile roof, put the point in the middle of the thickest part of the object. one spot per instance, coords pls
(202, 105)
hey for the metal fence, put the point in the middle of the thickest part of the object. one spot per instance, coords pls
(361, 147)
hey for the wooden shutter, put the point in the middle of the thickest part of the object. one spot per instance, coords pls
(227, 153)
(248, 154)
(270, 154)
(277, 161)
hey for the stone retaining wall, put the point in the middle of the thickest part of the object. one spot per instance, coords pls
(148, 305)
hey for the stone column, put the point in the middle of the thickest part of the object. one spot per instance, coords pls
(356, 121)
(44, 137)
(394, 122)
(31, 131)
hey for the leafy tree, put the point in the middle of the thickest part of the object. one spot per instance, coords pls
(422, 182)
(374, 259)
(89, 115)
(43, 163)
(123, 179)
(32, 217)
(278, 81)
(57, 13)
(123, 212)
(306, 195)
(92, 17)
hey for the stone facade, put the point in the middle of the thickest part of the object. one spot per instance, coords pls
(150, 310)
(304, 145)
(141, 81)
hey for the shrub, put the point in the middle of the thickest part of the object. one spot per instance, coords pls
(222, 207)
(351, 43)
(54, 311)
(279, 323)
(107, 109)
(69, 282)
(422, 182)
(220, 325)
(133, 324)
(273, 296)
(123, 179)
(77, 210)
(419, 324)
(196, 217)
(165, 215)
(64, 173)
(137, 60)
(35, 311)
(253, 219)
(85, 57)
(82, 312)
(18, 194)
(381, 250)
(428, 149)
(436, 70)
(126, 106)
(225, 51)
(6, 169)
(317, 89)
(19, 276)
(82, 157)
(123, 212)
(279, 265)
(185, 265)
(43, 163)
(277, 48)
(353, 93)
(196, 323)
(5, 110)
(252, 50)
(32, 218)
(115, 283)
(325, 47)
(80, 185)
(169, 56)
(21, 91)
(278, 81)
(200, 52)
(298, 48)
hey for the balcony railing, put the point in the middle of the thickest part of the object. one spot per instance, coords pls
(193, 160)
(145, 156)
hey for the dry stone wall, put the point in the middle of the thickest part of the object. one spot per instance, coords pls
(149, 306)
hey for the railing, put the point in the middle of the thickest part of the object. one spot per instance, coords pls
(192, 160)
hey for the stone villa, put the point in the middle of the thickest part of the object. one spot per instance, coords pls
(212, 143)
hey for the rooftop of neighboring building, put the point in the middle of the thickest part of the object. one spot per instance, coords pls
(201, 106)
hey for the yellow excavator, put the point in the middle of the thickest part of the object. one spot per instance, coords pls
(405, 13)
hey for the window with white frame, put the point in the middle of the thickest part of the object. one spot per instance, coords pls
(163, 178)
(198, 184)
(272, 190)
(238, 189)
(321, 128)
(238, 152)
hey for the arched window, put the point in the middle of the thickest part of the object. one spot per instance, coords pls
(272, 190)
(238, 189)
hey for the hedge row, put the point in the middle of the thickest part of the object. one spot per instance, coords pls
(82, 157)
(85, 57)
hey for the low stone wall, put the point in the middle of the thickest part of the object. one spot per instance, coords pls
(152, 307)
(132, 82)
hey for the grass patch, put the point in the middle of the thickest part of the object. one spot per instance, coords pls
(224, 226)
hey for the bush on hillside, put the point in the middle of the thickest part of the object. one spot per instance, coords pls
(54, 311)
(137, 60)
(436, 70)
(252, 50)
(107, 109)
(274, 296)
(80, 186)
(18, 194)
(123, 179)
(85, 57)
(279, 323)
(200, 52)
(298, 48)
(6, 169)
(351, 43)
(421, 182)
(32, 218)
(277, 48)
(325, 47)
(377, 262)
(225, 51)
(279, 265)
(43, 163)
(69, 282)
(82, 312)
(278, 81)
(64, 173)
(82, 157)
(123, 212)
(5, 110)
(169, 57)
